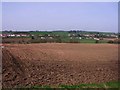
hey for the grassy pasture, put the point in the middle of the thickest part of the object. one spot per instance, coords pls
(106, 85)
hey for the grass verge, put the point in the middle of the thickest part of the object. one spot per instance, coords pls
(106, 86)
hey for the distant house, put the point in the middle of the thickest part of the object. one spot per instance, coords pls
(23, 35)
(17, 35)
(71, 37)
(12, 35)
(112, 39)
(96, 39)
(87, 35)
(51, 37)
(32, 35)
(42, 37)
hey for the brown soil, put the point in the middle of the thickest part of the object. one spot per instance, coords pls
(55, 64)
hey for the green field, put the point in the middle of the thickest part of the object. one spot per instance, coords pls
(107, 85)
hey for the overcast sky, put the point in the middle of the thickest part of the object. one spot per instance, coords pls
(89, 16)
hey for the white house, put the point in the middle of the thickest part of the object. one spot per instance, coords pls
(96, 39)
(42, 37)
(17, 35)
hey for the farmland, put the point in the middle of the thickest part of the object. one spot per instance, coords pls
(58, 37)
(54, 64)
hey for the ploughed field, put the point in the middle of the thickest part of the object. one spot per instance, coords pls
(57, 64)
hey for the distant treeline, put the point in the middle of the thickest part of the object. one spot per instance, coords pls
(71, 31)
(73, 36)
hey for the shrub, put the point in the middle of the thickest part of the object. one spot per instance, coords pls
(110, 41)
(97, 41)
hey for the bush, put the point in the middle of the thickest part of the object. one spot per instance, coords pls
(110, 41)
(117, 41)
(97, 41)
(58, 40)
(74, 41)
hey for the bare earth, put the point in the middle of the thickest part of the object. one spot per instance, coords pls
(59, 63)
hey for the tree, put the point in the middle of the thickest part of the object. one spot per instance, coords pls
(97, 41)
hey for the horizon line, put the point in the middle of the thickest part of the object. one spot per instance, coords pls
(55, 31)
